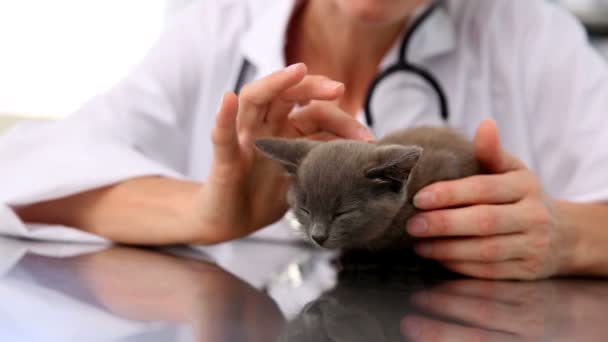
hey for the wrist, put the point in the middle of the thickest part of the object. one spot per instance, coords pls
(570, 260)
(217, 213)
(582, 244)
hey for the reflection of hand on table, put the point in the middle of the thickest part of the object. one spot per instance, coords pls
(149, 286)
(476, 310)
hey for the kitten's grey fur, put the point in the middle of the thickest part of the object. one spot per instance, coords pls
(352, 194)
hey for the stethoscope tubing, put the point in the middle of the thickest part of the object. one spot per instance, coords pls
(403, 65)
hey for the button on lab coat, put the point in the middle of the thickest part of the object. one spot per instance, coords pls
(527, 64)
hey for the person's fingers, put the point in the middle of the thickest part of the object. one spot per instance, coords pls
(222, 193)
(322, 136)
(505, 270)
(314, 87)
(224, 136)
(479, 220)
(488, 314)
(328, 117)
(489, 151)
(419, 328)
(481, 189)
(255, 97)
(277, 114)
(266, 89)
(487, 249)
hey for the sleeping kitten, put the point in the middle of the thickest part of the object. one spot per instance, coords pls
(352, 195)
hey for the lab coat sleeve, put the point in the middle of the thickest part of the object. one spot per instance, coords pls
(141, 127)
(566, 91)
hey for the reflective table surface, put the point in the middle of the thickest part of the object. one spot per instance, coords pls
(260, 291)
(601, 44)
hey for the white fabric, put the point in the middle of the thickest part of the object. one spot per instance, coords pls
(527, 64)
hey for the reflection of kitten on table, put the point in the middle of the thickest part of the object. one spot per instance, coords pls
(357, 195)
(363, 306)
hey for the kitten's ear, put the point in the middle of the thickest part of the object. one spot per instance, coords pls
(395, 163)
(288, 152)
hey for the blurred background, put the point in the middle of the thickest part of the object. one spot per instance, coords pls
(56, 54)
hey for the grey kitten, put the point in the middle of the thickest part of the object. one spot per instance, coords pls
(352, 194)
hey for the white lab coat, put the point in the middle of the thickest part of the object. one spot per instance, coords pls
(527, 64)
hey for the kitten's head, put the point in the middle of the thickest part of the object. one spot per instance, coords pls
(344, 193)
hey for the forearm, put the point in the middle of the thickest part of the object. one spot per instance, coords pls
(588, 224)
(143, 211)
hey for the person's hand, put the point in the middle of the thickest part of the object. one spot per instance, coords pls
(244, 190)
(497, 226)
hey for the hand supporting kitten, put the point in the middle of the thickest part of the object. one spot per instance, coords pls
(500, 225)
(352, 194)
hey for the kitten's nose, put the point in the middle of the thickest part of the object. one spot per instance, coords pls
(320, 237)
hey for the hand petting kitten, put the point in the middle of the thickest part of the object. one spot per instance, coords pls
(243, 191)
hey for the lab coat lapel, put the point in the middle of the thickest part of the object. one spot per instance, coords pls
(263, 43)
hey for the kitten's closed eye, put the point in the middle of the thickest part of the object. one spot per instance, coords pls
(304, 210)
(343, 213)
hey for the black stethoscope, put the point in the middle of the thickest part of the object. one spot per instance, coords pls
(402, 65)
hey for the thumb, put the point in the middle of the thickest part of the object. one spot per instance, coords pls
(224, 135)
(489, 152)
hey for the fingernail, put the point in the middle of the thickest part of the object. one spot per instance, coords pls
(417, 226)
(424, 199)
(410, 327)
(329, 85)
(423, 249)
(295, 67)
(366, 135)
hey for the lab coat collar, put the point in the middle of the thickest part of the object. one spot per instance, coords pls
(263, 43)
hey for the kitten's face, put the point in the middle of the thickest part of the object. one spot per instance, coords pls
(344, 193)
